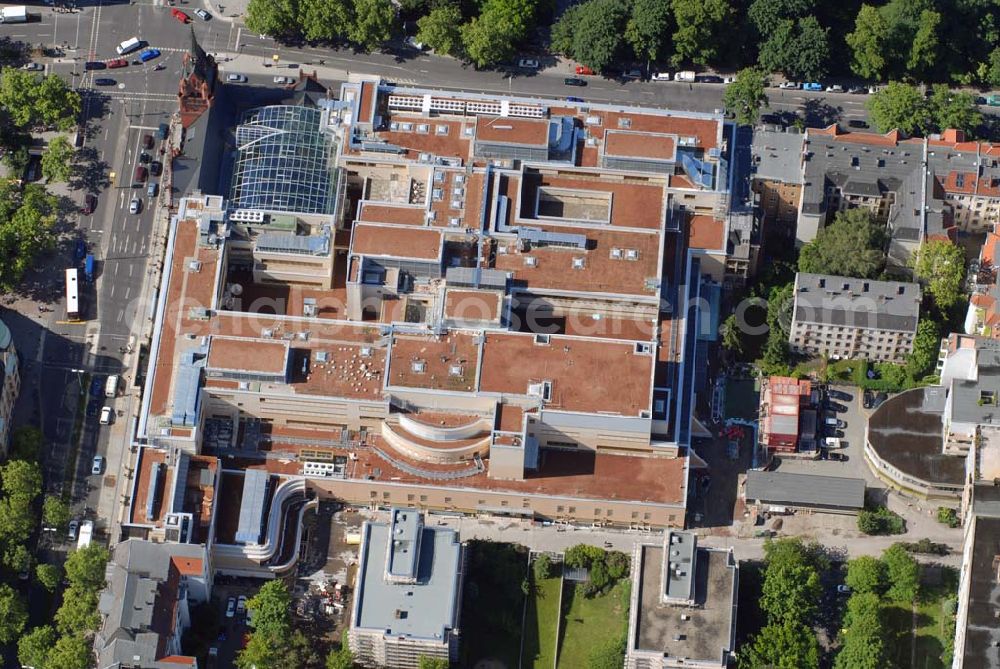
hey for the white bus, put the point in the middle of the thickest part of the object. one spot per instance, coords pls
(128, 46)
(72, 295)
(86, 534)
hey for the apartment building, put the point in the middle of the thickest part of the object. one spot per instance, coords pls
(407, 602)
(840, 317)
(10, 385)
(683, 605)
(146, 604)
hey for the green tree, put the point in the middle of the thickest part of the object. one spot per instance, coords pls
(271, 608)
(57, 161)
(926, 345)
(372, 25)
(582, 555)
(542, 567)
(766, 15)
(18, 559)
(953, 109)
(29, 99)
(923, 52)
(85, 567)
(866, 574)
(26, 442)
(71, 652)
(902, 572)
(867, 43)
(33, 648)
(785, 645)
(599, 34)
(441, 29)
(610, 655)
(810, 50)
(277, 18)
(898, 106)
(648, 29)
(21, 479)
(850, 246)
(49, 575)
(261, 652)
(13, 614)
(17, 519)
(776, 52)
(993, 68)
(947, 516)
(745, 96)
(940, 266)
(324, 20)
(790, 592)
(26, 221)
(700, 24)
(561, 39)
(55, 512)
(494, 35)
(862, 646)
(78, 612)
(56, 103)
(341, 658)
(432, 663)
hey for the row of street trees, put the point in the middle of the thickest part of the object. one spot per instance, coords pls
(914, 40)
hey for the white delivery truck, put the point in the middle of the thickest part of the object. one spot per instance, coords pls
(685, 75)
(86, 534)
(111, 386)
(15, 14)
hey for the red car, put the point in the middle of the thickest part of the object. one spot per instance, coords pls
(583, 69)
(117, 62)
(180, 16)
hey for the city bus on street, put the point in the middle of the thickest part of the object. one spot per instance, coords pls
(72, 295)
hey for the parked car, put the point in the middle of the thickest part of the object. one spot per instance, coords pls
(117, 62)
(529, 63)
(74, 525)
(282, 80)
(236, 78)
(857, 123)
(843, 589)
(661, 76)
(812, 86)
(835, 88)
(839, 395)
(140, 174)
(104, 81)
(573, 98)
(708, 79)
(857, 90)
(202, 14)
(789, 85)
(156, 168)
(835, 406)
(94, 65)
(728, 79)
(574, 81)
(33, 67)
(89, 204)
(148, 54)
(107, 416)
(839, 457)
(869, 399)
(163, 131)
(153, 189)
(180, 16)
(583, 69)
(634, 73)
(144, 158)
(97, 466)
(241, 604)
(147, 142)
(231, 607)
(879, 398)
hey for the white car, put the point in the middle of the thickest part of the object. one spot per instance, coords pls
(529, 63)
(202, 14)
(106, 416)
(231, 607)
(34, 67)
(728, 79)
(788, 85)
(134, 207)
(661, 76)
(836, 88)
(97, 466)
(74, 525)
(282, 80)
(236, 78)
(241, 604)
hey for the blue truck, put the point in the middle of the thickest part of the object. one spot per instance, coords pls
(88, 268)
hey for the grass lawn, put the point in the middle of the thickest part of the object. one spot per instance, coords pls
(491, 612)
(589, 624)
(933, 626)
(540, 621)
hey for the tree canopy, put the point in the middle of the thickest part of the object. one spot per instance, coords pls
(784, 645)
(902, 572)
(926, 345)
(33, 647)
(493, 36)
(13, 614)
(85, 567)
(866, 574)
(373, 22)
(862, 646)
(700, 24)
(745, 96)
(57, 161)
(868, 43)
(850, 246)
(30, 99)
(940, 266)
(441, 29)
